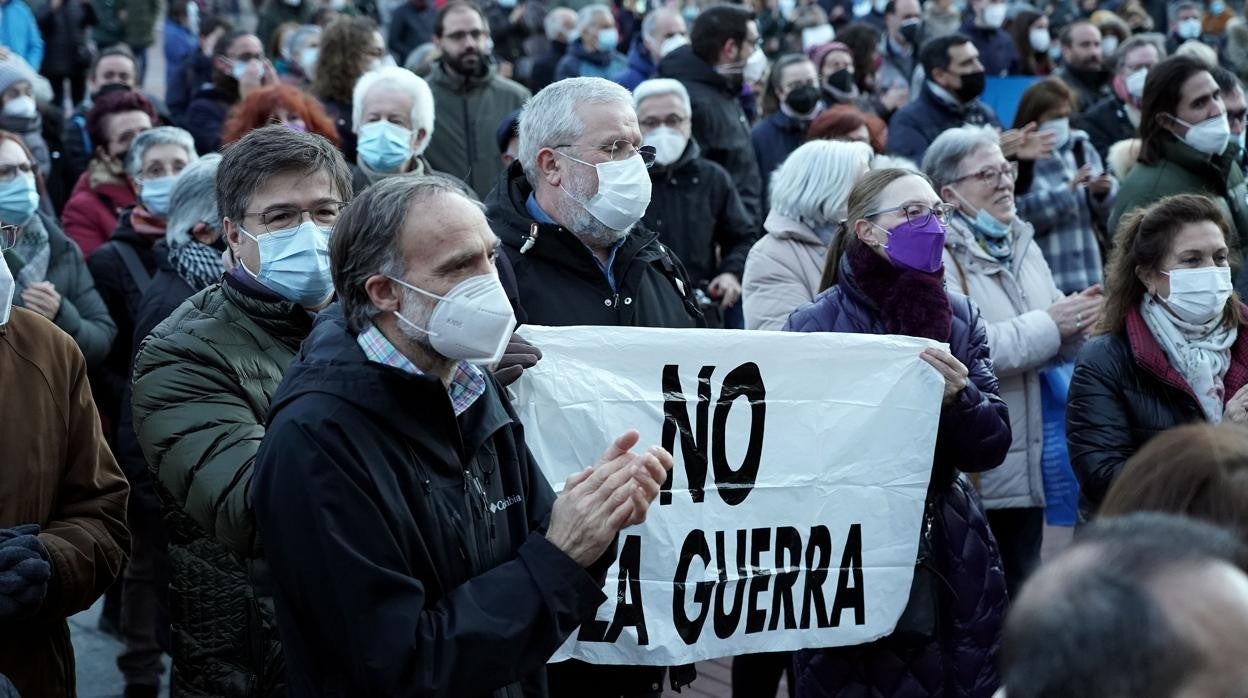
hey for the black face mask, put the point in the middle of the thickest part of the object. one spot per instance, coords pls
(842, 80)
(912, 32)
(218, 244)
(972, 86)
(803, 100)
(1094, 76)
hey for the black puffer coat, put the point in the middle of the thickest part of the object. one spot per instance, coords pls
(1125, 392)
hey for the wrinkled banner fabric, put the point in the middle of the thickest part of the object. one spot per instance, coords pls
(791, 518)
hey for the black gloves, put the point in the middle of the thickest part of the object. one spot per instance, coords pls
(25, 569)
(518, 356)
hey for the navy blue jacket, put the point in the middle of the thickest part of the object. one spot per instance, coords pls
(774, 138)
(997, 50)
(205, 117)
(404, 542)
(917, 124)
(640, 67)
(580, 62)
(974, 435)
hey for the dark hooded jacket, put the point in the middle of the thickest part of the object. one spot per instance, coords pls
(974, 435)
(560, 280)
(640, 66)
(917, 124)
(775, 138)
(440, 582)
(696, 211)
(719, 124)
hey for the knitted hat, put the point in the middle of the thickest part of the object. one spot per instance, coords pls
(820, 52)
(10, 72)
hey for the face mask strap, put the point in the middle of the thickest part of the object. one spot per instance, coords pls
(421, 291)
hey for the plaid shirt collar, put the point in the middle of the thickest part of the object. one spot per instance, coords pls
(466, 385)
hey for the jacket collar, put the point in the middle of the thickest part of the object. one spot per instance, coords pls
(963, 246)
(1179, 153)
(282, 320)
(1149, 355)
(692, 152)
(782, 227)
(684, 65)
(458, 83)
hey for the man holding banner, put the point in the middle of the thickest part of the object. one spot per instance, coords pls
(415, 547)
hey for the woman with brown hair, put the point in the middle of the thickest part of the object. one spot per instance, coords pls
(280, 104)
(1031, 35)
(886, 277)
(1198, 470)
(350, 47)
(1168, 350)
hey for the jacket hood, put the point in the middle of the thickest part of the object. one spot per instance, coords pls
(681, 64)
(331, 362)
(439, 75)
(782, 227)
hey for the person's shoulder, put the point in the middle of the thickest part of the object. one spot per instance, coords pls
(510, 87)
(820, 314)
(1106, 353)
(40, 342)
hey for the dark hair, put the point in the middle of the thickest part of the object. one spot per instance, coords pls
(274, 48)
(115, 50)
(1040, 98)
(270, 152)
(115, 103)
(1029, 60)
(367, 239)
(1227, 81)
(1068, 31)
(1093, 627)
(714, 26)
(1197, 470)
(863, 41)
(1135, 42)
(1143, 239)
(934, 53)
(863, 199)
(341, 61)
(439, 20)
(771, 99)
(177, 10)
(211, 23)
(1162, 93)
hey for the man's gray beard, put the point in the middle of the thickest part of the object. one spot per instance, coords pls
(411, 299)
(589, 230)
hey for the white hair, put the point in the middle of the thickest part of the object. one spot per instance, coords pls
(551, 116)
(553, 24)
(193, 201)
(403, 80)
(587, 15)
(161, 135)
(812, 185)
(647, 24)
(943, 158)
(659, 87)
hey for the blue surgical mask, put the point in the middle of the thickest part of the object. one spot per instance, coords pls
(384, 146)
(239, 68)
(19, 198)
(155, 195)
(294, 264)
(990, 226)
(608, 39)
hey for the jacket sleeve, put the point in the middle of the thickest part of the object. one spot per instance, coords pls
(320, 510)
(771, 289)
(107, 277)
(974, 433)
(83, 315)
(734, 229)
(1047, 210)
(205, 127)
(34, 48)
(904, 139)
(1098, 432)
(199, 435)
(86, 534)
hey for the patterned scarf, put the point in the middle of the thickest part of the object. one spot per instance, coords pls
(198, 264)
(33, 250)
(1202, 353)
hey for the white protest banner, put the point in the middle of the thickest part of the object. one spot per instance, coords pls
(792, 516)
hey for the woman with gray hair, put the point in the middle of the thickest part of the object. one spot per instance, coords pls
(808, 195)
(992, 257)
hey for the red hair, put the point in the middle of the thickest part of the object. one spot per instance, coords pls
(259, 108)
(843, 119)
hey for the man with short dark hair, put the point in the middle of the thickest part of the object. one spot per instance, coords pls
(469, 97)
(1116, 117)
(1083, 66)
(949, 98)
(415, 546)
(239, 67)
(1236, 111)
(1145, 605)
(899, 44)
(724, 52)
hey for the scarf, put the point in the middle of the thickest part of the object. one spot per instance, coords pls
(198, 264)
(33, 252)
(997, 240)
(911, 303)
(1202, 353)
(147, 224)
(101, 172)
(373, 176)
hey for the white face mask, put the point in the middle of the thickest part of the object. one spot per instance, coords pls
(994, 15)
(8, 286)
(1135, 83)
(1060, 127)
(1109, 44)
(23, 107)
(1209, 136)
(473, 322)
(814, 36)
(386, 61)
(1039, 39)
(1199, 295)
(669, 144)
(623, 192)
(755, 66)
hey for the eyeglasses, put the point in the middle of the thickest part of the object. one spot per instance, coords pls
(990, 175)
(1240, 115)
(8, 236)
(8, 172)
(670, 121)
(275, 218)
(920, 214)
(618, 151)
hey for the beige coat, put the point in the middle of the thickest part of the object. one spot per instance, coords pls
(782, 272)
(1022, 339)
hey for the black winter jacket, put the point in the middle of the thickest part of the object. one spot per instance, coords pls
(560, 282)
(404, 541)
(1125, 392)
(719, 124)
(695, 209)
(1106, 123)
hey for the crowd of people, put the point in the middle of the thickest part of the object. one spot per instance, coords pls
(257, 328)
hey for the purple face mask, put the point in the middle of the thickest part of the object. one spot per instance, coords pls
(296, 125)
(917, 247)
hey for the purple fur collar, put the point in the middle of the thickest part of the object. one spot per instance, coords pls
(911, 303)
